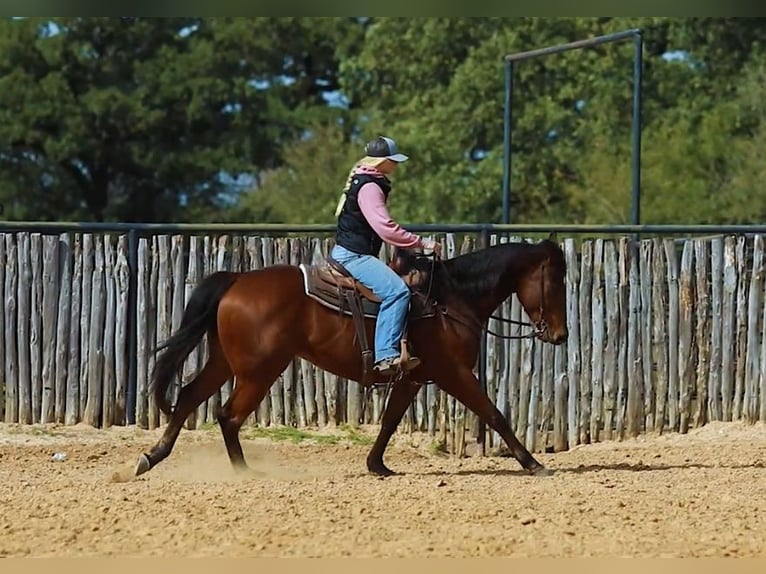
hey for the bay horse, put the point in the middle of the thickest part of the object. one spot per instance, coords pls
(258, 321)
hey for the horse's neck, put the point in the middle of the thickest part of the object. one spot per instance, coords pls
(516, 266)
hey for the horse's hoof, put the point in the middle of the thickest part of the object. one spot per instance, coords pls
(541, 471)
(381, 470)
(142, 465)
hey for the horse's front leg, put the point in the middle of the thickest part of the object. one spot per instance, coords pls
(401, 396)
(465, 387)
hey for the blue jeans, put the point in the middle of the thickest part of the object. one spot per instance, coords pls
(392, 291)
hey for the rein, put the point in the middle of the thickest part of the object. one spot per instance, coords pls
(473, 323)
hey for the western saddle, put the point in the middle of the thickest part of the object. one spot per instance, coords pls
(330, 284)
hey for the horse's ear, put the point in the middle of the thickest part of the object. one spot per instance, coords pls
(553, 237)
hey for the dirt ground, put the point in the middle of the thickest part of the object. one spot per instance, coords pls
(699, 494)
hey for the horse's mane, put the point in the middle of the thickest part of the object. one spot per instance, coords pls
(475, 274)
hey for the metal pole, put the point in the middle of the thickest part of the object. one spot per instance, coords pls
(508, 116)
(637, 78)
(130, 399)
(587, 43)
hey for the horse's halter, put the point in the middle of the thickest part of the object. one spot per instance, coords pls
(540, 327)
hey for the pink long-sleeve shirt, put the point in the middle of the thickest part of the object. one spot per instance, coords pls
(372, 202)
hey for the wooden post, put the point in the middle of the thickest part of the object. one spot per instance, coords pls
(11, 312)
(176, 302)
(534, 396)
(717, 271)
(586, 342)
(750, 406)
(741, 346)
(597, 348)
(671, 259)
(143, 306)
(193, 364)
(154, 336)
(51, 290)
(3, 381)
(109, 395)
(685, 358)
(94, 371)
(35, 324)
(25, 279)
(660, 334)
(623, 366)
(122, 279)
(85, 318)
(72, 410)
(613, 342)
(645, 327)
(164, 310)
(635, 408)
(702, 332)
(725, 348)
(63, 324)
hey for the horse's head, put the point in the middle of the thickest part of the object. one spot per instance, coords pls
(542, 293)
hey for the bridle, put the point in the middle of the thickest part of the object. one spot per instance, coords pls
(539, 328)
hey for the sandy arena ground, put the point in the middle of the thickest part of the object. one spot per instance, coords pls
(700, 494)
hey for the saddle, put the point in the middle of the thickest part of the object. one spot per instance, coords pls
(330, 284)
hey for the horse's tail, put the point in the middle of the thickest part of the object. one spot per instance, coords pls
(199, 317)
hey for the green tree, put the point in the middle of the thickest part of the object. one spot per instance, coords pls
(572, 111)
(307, 187)
(130, 118)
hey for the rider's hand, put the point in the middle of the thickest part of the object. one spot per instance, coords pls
(432, 246)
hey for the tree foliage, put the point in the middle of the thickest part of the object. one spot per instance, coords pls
(140, 118)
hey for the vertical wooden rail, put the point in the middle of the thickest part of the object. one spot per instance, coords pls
(35, 325)
(51, 289)
(88, 257)
(741, 345)
(685, 358)
(72, 409)
(635, 406)
(671, 258)
(717, 339)
(702, 329)
(586, 342)
(613, 340)
(750, 399)
(22, 341)
(660, 334)
(95, 367)
(645, 324)
(727, 346)
(3, 381)
(10, 304)
(597, 346)
(109, 395)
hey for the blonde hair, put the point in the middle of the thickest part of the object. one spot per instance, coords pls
(366, 161)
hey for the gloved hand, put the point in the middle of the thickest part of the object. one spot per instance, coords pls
(431, 246)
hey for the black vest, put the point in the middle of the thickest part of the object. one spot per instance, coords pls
(354, 233)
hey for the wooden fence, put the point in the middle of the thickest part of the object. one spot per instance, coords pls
(664, 335)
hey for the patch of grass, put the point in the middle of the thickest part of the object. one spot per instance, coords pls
(354, 436)
(295, 435)
(438, 447)
(34, 430)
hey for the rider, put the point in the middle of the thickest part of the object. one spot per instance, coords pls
(363, 224)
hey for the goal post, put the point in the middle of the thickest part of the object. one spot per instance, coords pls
(511, 59)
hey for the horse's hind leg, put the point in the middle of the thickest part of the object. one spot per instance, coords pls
(249, 391)
(203, 386)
